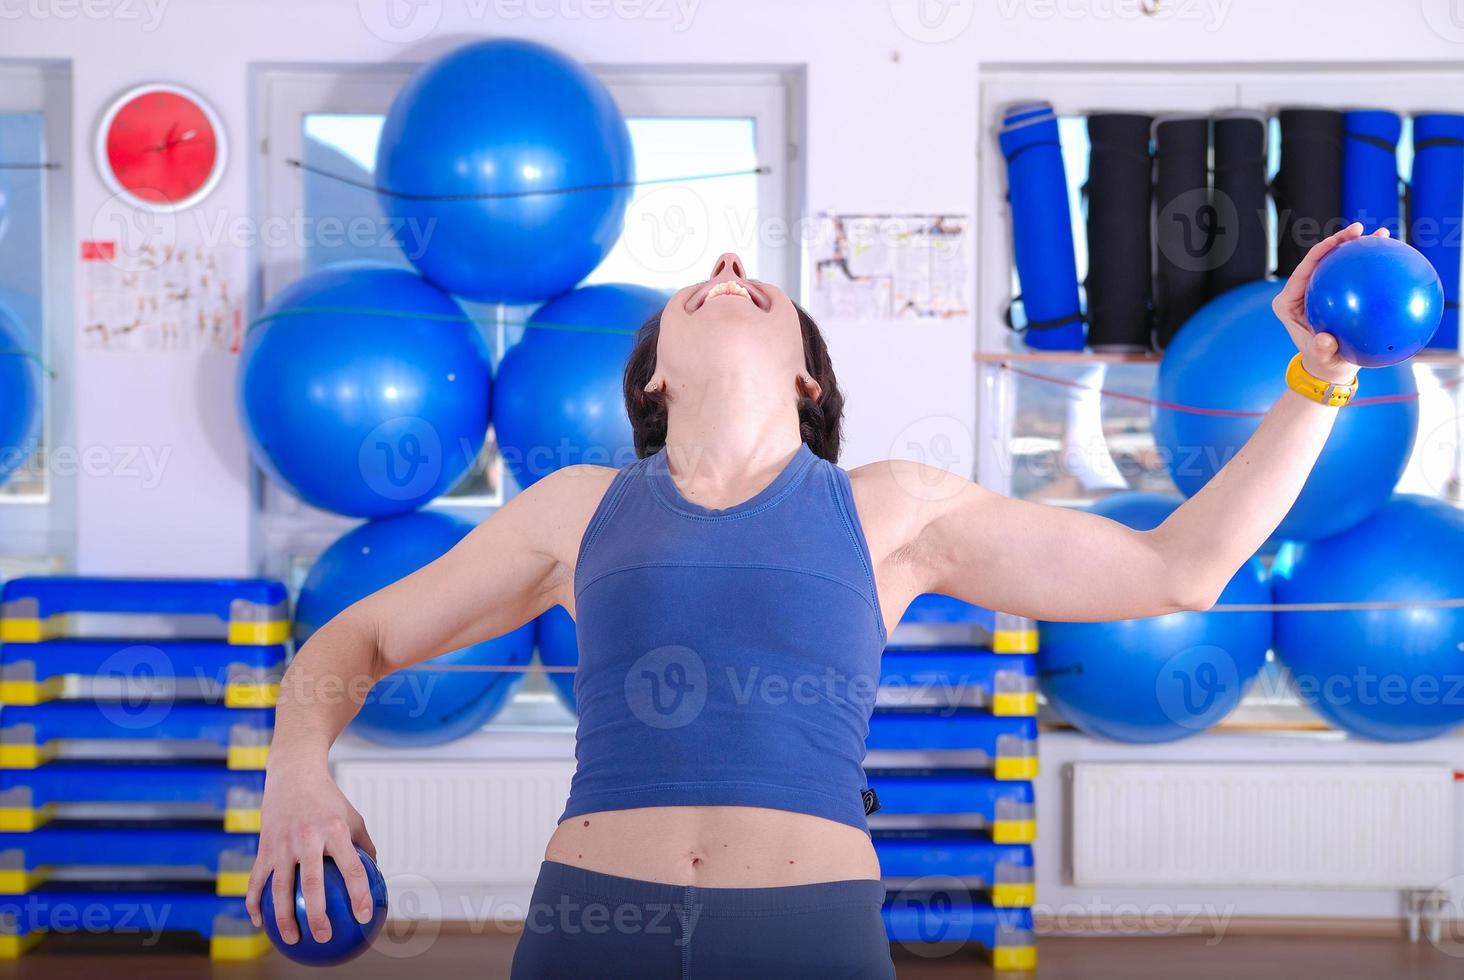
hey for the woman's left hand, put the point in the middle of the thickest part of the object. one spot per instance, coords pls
(1318, 350)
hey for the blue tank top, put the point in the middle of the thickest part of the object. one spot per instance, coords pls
(727, 657)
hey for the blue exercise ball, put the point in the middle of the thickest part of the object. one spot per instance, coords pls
(559, 647)
(419, 705)
(348, 937)
(1164, 677)
(559, 398)
(1380, 298)
(20, 396)
(1389, 674)
(364, 390)
(513, 165)
(1231, 356)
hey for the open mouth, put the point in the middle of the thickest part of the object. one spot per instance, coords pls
(727, 291)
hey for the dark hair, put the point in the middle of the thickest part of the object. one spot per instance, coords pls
(819, 422)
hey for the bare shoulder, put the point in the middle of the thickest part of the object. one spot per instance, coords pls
(905, 485)
(898, 498)
(577, 485)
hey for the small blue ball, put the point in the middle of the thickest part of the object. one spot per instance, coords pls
(348, 938)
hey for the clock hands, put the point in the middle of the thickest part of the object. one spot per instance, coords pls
(171, 141)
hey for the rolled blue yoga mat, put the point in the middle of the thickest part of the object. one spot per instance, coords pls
(1042, 229)
(1436, 208)
(1370, 169)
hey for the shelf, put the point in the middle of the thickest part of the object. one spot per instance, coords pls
(1437, 358)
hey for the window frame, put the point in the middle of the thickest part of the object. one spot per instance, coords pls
(284, 528)
(40, 531)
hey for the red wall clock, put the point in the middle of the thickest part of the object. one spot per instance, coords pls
(161, 147)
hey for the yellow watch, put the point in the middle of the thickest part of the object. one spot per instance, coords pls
(1303, 382)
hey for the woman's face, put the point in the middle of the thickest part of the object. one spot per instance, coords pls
(730, 326)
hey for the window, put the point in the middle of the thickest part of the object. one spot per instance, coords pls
(682, 126)
(37, 500)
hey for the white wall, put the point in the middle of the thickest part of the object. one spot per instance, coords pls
(892, 126)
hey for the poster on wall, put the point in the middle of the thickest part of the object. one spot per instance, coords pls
(891, 267)
(158, 298)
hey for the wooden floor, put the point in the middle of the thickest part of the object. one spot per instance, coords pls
(449, 956)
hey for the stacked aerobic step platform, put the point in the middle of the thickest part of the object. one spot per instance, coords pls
(135, 718)
(952, 753)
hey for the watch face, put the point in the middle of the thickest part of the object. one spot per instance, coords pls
(161, 146)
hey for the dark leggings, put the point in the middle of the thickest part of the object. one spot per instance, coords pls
(585, 924)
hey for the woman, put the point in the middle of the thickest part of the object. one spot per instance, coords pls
(733, 592)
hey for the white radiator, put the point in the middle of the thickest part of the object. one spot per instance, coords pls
(1288, 826)
(472, 833)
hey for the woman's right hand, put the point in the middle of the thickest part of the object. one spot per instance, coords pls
(304, 818)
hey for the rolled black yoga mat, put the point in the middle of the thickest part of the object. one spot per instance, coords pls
(1238, 200)
(1308, 188)
(1184, 222)
(1119, 192)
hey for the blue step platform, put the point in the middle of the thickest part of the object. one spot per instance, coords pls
(181, 851)
(137, 670)
(32, 735)
(31, 798)
(223, 921)
(1005, 807)
(971, 676)
(245, 611)
(949, 915)
(1006, 746)
(1003, 872)
(939, 620)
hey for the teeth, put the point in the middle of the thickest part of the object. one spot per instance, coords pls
(728, 288)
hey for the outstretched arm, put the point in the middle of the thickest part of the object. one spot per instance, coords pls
(510, 568)
(1054, 563)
